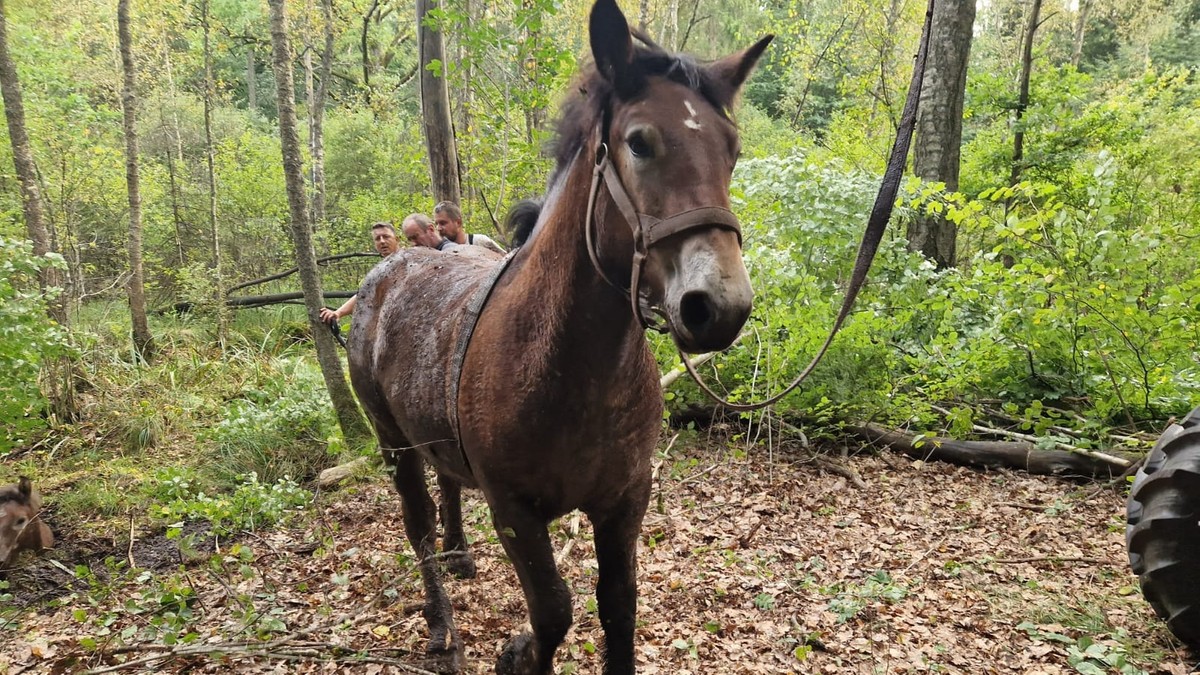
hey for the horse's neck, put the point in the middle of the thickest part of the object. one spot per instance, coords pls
(575, 301)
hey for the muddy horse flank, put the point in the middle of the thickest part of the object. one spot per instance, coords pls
(558, 405)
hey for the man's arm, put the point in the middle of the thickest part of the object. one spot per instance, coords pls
(332, 315)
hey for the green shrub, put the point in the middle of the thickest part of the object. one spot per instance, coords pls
(28, 339)
(278, 430)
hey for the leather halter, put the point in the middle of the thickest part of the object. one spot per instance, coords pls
(647, 231)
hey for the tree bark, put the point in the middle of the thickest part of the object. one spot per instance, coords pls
(435, 108)
(938, 148)
(143, 342)
(991, 454)
(318, 115)
(349, 419)
(251, 79)
(210, 164)
(366, 54)
(1085, 8)
(59, 374)
(26, 169)
(1023, 95)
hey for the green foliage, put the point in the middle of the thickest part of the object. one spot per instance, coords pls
(251, 505)
(277, 430)
(28, 339)
(850, 599)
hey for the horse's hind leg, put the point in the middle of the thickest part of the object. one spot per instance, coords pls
(457, 558)
(616, 533)
(527, 543)
(445, 646)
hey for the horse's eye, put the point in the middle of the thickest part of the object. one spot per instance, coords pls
(639, 146)
(20, 522)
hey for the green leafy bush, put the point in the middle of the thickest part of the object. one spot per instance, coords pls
(28, 339)
(251, 505)
(280, 429)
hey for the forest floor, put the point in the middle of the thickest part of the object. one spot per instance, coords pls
(748, 563)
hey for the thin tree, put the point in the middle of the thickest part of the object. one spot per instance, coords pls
(1018, 156)
(351, 421)
(938, 148)
(210, 154)
(143, 342)
(60, 373)
(317, 130)
(435, 107)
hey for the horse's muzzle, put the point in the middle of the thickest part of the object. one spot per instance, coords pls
(709, 322)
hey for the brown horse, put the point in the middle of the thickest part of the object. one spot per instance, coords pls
(558, 405)
(20, 527)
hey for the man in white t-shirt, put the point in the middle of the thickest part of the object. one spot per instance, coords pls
(449, 220)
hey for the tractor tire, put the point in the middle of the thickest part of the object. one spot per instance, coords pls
(1163, 530)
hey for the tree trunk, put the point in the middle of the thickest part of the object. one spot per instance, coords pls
(939, 124)
(31, 196)
(59, 375)
(349, 419)
(366, 53)
(251, 80)
(318, 116)
(1023, 95)
(143, 342)
(1085, 8)
(210, 161)
(435, 107)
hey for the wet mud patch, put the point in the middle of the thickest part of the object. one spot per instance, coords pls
(78, 560)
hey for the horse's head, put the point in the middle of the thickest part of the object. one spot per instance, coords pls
(20, 527)
(665, 150)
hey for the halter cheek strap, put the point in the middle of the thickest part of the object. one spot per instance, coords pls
(647, 230)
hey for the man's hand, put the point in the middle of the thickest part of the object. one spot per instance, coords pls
(329, 316)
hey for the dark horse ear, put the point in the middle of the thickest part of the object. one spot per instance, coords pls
(735, 68)
(612, 48)
(24, 487)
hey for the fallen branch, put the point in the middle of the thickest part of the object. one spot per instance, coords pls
(289, 272)
(979, 429)
(1025, 456)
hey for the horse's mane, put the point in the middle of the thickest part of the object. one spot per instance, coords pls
(593, 96)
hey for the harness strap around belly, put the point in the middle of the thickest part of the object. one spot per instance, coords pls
(471, 317)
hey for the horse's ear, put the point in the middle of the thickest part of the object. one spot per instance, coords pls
(25, 487)
(612, 47)
(735, 68)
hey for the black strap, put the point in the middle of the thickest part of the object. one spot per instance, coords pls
(881, 212)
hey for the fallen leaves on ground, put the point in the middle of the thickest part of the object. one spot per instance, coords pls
(746, 565)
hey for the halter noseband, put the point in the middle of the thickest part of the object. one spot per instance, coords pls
(647, 231)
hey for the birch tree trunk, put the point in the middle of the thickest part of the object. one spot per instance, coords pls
(143, 342)
(435, 108)
(353, 425)
(317, 131)
(938, 148)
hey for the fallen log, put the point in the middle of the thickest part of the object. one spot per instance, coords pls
(251, 301)
(994, 454)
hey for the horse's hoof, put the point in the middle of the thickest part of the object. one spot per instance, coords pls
(445, 653)
(460, 564)
(517, 657)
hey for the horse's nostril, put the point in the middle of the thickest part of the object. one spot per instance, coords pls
(695, 309)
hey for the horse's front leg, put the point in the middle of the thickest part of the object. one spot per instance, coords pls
(616, 534)
(527, 542)
(456, 556)
(445, 646)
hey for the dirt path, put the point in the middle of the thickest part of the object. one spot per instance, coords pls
(746, 566)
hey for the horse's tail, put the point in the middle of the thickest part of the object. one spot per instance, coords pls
(521, 218)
